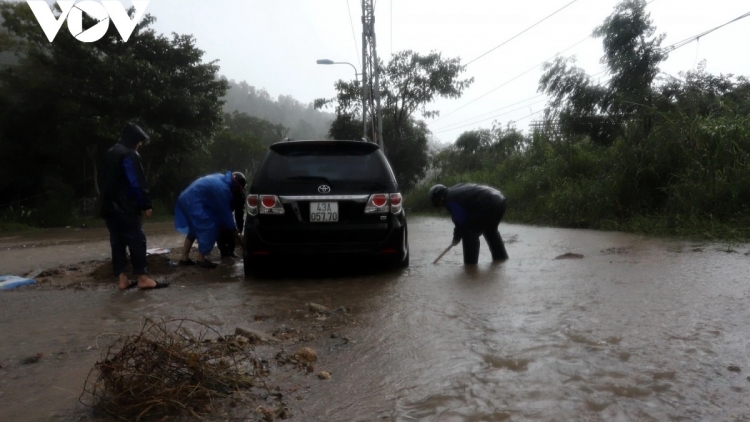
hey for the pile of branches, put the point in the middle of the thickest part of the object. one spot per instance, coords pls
(165, 370)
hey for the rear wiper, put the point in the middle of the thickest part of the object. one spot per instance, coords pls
(325, 179)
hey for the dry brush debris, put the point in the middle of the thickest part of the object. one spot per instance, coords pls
(165, 370)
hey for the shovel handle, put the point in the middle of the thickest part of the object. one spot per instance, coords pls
(441, 255)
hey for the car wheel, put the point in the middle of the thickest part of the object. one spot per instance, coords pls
(405, 262)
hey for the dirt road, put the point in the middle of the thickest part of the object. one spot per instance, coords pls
(577, 325)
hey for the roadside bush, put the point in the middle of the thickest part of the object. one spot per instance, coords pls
(57, 208)
(15, 217)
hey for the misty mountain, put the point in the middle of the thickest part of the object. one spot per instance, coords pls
(303, 121)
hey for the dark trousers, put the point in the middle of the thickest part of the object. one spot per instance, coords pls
(126, 231)
(225, 242)
(491, 236)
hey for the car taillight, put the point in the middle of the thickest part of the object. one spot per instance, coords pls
(268, 201)
(379, 200)
(396, 200)
(270, 204)
(252, 204)
(377, 203)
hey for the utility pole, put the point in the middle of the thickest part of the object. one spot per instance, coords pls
(370, 75)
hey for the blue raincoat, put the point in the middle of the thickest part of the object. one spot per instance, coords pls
(203, 208)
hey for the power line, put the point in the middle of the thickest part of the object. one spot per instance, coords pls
(520, 33)
(490, 112)
(521, 74)
(687, 41)
(490, 118)
(449, 127)
(351, 22)
(510, 80)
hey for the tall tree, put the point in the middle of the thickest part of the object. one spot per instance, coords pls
(67, 97)
(243, 143)
(632, 55)
(409, 83)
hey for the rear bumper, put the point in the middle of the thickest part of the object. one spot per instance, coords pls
(387, 240)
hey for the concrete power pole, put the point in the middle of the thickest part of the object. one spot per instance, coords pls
(370, 75)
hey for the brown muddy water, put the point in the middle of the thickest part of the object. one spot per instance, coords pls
(635, 329)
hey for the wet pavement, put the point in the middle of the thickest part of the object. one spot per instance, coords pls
(635, 329)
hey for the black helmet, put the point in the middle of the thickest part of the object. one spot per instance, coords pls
(437, 192)
(240, 179)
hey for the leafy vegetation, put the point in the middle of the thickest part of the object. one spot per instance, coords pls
(409, 83)
(63, 104)
(643, 152)
(657, 155)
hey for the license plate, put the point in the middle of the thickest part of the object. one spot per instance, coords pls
(324, 212)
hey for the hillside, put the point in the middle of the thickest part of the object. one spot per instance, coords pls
(302, 120)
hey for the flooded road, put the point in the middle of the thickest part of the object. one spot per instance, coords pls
(638, 329)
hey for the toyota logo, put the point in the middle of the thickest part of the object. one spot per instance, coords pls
(324, 188)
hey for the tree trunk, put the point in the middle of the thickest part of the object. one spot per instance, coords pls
(91, 149)
(96, 177)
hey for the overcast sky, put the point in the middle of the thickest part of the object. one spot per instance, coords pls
(273, 44)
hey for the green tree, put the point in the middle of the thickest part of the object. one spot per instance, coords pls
(243, 143)
(632, 54)
(240, 123)
(700, 93)
(583, 108)
(406, 147)
(67, 97)
(474, 141)
(409, 83)
(480, 149)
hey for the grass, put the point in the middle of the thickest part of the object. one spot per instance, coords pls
(15, 227)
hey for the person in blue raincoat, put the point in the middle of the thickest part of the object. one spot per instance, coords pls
(202, 210)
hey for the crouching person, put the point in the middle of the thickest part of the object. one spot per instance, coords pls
(202, 209)
(475, 210)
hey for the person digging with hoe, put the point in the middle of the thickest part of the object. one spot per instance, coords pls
(203, 209)
(475, 210)
(124, 200)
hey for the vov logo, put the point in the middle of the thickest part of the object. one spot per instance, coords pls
(73, 12)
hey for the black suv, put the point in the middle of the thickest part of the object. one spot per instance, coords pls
(319, 198)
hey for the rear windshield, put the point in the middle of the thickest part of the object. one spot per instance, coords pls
(326, 164)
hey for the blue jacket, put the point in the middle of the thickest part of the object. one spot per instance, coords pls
(205, 207)
(124, 190)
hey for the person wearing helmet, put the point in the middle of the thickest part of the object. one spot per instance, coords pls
(124, 200)
(227, 240)
(475, 210)
(204, 208)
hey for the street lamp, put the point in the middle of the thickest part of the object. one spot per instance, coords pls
(356, 75)
(326, 61)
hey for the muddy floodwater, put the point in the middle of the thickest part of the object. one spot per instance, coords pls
(619, 328)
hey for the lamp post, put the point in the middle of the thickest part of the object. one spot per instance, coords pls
(356, 75)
